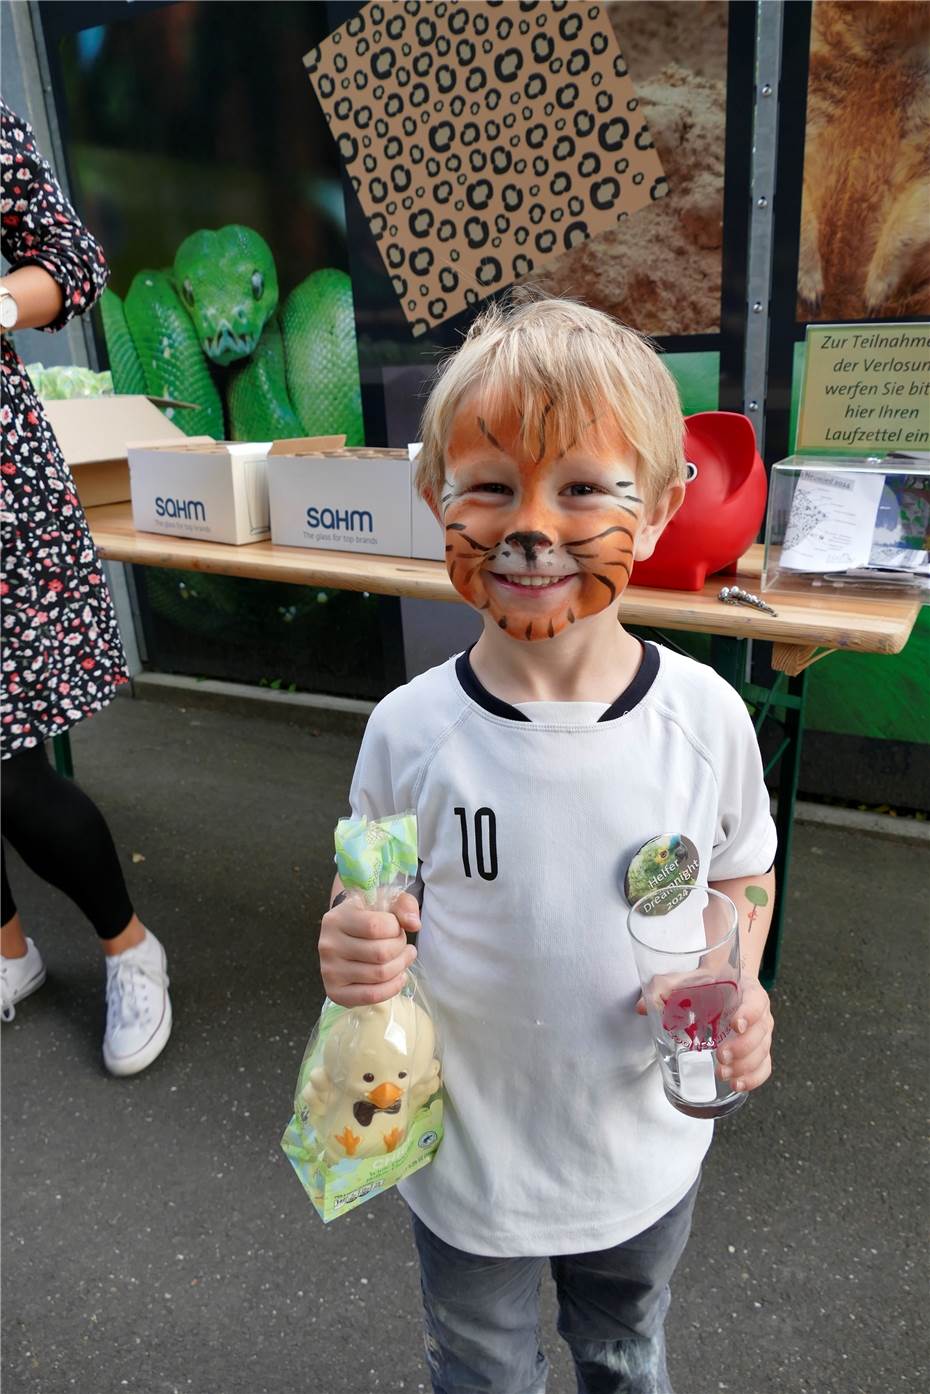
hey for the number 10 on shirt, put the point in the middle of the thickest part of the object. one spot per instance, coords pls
(479, 842)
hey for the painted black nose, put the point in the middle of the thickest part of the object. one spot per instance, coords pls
(528, 543)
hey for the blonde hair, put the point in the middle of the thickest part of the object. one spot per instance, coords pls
(561, 365)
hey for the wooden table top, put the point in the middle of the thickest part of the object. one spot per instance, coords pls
(804, 629)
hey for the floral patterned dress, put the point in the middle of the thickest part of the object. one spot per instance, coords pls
(62, 658)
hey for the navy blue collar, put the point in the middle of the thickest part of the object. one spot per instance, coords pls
(646, 675)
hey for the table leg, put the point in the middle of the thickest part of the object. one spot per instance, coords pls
(61, 745)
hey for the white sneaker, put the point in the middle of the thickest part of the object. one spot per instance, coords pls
(18, 978)
(138, 1007)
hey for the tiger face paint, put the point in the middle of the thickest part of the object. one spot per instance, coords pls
(538, 540)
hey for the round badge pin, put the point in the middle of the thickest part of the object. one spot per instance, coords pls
(660, 866)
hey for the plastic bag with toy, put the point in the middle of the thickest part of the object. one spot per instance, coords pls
(368, 1104)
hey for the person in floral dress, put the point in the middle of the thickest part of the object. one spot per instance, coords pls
(62, 658)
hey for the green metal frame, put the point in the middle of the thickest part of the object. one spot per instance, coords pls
(782, 702)
(61, 747)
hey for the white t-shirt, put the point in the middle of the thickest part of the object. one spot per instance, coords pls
(558, 1135)
(563, 713)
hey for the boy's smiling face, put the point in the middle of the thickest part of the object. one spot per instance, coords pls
(535, 538)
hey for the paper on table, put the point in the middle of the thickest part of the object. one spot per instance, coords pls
(831, 521)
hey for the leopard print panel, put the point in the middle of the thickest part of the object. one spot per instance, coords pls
(483, 139)
(512, 512)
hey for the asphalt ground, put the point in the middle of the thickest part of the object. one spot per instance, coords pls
(155, 1238)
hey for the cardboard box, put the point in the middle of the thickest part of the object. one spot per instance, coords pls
(93, 433)
(349, 500)
(427, 538)
(216, 491)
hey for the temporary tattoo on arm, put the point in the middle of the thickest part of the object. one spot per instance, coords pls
(758, 897)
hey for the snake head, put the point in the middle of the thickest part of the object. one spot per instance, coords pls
(229, 286)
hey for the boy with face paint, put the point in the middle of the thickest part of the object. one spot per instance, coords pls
(539, 764)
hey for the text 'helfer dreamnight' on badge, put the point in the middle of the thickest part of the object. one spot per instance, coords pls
(483, 140)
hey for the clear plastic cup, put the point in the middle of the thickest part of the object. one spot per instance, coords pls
(686, 945)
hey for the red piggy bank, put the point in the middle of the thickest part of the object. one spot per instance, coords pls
(723, 508)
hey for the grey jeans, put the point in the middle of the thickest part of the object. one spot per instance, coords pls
(482, 1314)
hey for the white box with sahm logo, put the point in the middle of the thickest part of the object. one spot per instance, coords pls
(351, 500)
(216, 491)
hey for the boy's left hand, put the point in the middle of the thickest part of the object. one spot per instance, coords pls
(745, 1056)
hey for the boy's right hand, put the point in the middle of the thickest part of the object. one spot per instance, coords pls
(364, 953)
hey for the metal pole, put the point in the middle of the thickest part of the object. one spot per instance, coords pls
(764, 155)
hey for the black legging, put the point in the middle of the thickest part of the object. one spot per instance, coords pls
(61, 835)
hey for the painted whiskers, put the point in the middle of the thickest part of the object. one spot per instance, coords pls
(539, 536)
(541, 553)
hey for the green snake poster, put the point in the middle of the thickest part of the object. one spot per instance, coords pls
(213, 329)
